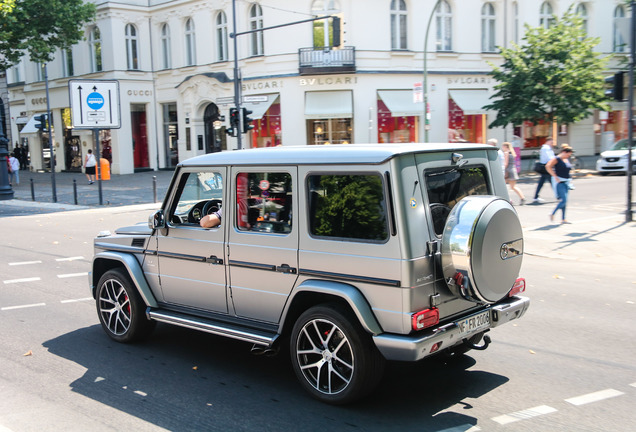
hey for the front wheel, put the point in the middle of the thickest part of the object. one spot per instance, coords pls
(120, 308)
(333, 357)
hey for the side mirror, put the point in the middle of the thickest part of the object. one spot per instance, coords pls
(157, 220)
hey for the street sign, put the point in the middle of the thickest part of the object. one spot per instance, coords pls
(94, 104)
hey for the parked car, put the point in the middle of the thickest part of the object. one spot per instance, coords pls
(615, 159)
(382, 252)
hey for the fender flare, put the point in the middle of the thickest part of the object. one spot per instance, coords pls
(134, 271)
(350, 294)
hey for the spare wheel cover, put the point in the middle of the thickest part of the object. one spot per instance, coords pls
(482, 248)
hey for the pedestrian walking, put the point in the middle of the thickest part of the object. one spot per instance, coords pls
(510, 170)
(89, 166)
(546, 154)
(14, 169)
(559, 169)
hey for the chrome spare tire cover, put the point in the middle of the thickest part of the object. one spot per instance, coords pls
(482, 248)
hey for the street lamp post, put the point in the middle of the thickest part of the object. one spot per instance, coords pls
(630, 112)
(425, 117)
(6, 192)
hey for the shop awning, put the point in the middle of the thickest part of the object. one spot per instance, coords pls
(259, 104)
(30, 126)
(21, 120)
(328, 104)
(400, 103)
(471, 101)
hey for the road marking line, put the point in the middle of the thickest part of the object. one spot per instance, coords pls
(633, 384)
(33, 279)
(463, 428)
(25, 263)
(23, 306)
(140, 393)
(524, 415)
(76, 300)
(70, 258)
(69, 275)
(594, 397)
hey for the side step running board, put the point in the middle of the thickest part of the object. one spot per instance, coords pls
(257, 337)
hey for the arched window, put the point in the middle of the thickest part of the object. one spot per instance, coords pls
(95, 47)
(515, 22)
(444, 21)
(581, 11)
(256, 22)
(191, 53)
(546, 18)
(398, 24)
(323, 29)
(619, 42)
(221, 36)
(132, 57)
(488, 28)
(166, 56)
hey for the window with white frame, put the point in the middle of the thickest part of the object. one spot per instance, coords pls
(132, 57)
(323, 29)
(546, 17)
(488, 28)
(67, 63)
(619, 42)
(190, 54)
(39, 71)
(444, 21)
(221, 36)
(515, 22)
(95, 46)
(256, 22)
(581, 11)
(16, 74)
(166, 55)
(398, 24)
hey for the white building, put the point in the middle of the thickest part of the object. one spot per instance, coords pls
(174, 63)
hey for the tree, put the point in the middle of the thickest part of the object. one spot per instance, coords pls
(40, 27)
(554, 76)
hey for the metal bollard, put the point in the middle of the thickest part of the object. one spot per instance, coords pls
(32, 191)
(75, 191)
(154, 188)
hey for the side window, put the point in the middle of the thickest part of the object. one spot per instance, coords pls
(199, 193)
(264, 202)
(446, 187)
(347, 207)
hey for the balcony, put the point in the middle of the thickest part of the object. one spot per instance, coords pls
(322, 61)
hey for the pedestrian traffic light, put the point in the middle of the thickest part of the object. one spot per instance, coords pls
(40, 122)
(615, 86)
(247, 121)
(233, 130)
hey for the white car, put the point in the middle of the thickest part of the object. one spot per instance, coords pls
(615, 159)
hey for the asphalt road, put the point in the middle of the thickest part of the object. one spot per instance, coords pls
(567, 365)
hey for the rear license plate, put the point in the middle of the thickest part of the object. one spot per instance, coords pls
(474, 323)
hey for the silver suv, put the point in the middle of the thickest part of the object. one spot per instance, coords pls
(352, 255)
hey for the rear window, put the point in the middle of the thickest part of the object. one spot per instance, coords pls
(446, 187)
(347, 207)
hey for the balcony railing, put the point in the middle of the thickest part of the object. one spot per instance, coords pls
(317, 61)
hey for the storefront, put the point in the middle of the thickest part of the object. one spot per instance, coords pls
(467, 120)
(398, 116)
(266, 117)
(329, 117)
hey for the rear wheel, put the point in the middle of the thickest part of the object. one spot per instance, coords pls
(333, 357)
(120, 308)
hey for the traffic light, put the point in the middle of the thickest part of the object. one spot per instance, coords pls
(615, 90)
(40, 122)
(233, 130)
(247, 121)
(337, 38)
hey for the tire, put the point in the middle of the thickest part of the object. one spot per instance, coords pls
(333, 357)
(120, 308)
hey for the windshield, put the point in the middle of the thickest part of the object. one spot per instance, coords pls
(621, 145)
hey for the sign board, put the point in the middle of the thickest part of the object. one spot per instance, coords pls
(255, 98)
(418, 92)
(94, 104)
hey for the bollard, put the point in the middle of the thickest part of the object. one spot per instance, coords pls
(75, 191)
(32, 191)
(154, 188)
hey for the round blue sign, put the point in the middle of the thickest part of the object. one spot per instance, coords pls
(95, 100)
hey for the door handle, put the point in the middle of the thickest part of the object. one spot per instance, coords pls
(214, 260)
(285, 268)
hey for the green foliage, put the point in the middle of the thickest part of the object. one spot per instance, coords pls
(40, 27)
(555, 75)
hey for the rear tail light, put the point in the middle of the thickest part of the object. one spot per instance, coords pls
(425, 318)
(518, 287)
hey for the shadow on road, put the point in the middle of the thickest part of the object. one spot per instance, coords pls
(189, 381)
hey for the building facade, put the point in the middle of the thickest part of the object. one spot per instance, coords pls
(174, 61)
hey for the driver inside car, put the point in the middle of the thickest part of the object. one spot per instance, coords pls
(213, 219)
